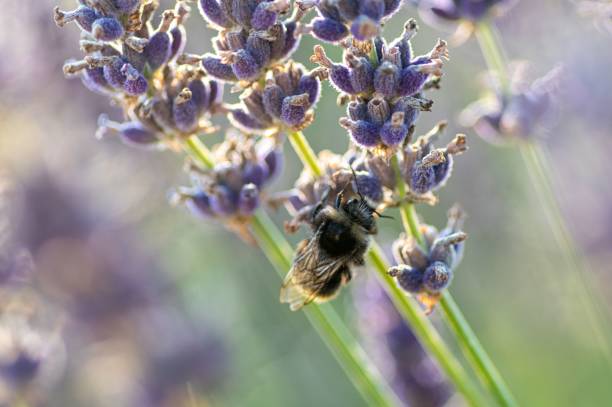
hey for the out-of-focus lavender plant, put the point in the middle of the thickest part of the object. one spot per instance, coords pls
(396, 350)
(520, 113)
(600, 11)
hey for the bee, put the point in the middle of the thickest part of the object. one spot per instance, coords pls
(323, 262)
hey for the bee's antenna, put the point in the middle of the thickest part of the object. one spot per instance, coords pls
(356, 183)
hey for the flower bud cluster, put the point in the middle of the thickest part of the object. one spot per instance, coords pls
(340, 174)
(138, 70)
(423, 168)
(252, 37)
(428, 270)
(285, 101)
(363, 19)
(232, 189)
(501, 117)
(384, 87)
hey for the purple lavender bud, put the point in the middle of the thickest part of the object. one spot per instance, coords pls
(179, 40)
(412, 81)
(386, 79)
(248, 201)
(222, 201)
(364, 133)
(199, 93)
(93, 79)
(410, 279)
(215, 93)
(259, 49)
(198, 204)
(135, 84)
(293, 111)
(135, 58)
(422, 178)
(274, 161)
(22, 369)
(217, 69)
(411, 114)
(157, 51)
(394, 132)
(378, 111)
(272, 98)
(362, 75)
(341, 78)
(263, 17)
(292, 40)
(437, 277)
(113, 73)
(136, 134)
(443, 170)
(245, 121)
(310, 85)
(185, 112)
(370, 186)
(328, 30)
(242, 12)
(107, 29)
(391, 6)
(449, 13)
(375, 9)
(83, 16)
(245, 66)
(212, 12)
(126, 6)
(254, 173)
(357, 110)
(364, 28)
(348, 9)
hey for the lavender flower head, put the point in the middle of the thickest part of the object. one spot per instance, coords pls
(384, 90)
(424, 168)
(285, 102)
(504, 117)
(139, 71)
(252, 37)
(363, 19)
(338, 176)
(231, 191)
(427, 271)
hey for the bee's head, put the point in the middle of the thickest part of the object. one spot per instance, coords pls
(360, 212)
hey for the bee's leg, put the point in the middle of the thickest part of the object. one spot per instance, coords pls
(320, 205)
(347, 275)
(359, 261)
(339, 199)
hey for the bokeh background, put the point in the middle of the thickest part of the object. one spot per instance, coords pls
(130, 301)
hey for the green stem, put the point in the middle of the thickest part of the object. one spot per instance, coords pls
(327, 323)
(539, 170)
(493, 55)
(408, 308)
(304, 151)
(471, 346)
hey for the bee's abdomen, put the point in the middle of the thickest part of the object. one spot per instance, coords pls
(337, 239)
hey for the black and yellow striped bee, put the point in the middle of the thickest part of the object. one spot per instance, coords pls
(323, 262)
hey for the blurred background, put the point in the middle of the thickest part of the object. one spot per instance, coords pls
(111, 297)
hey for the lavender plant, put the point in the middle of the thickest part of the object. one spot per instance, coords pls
(168, 97)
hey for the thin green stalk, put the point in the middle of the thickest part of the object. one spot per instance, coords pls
(537, 165)
(327, 323)
(408, 308)
(471, 346)
(305, 152)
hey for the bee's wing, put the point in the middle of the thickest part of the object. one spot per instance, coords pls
(308, 269)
